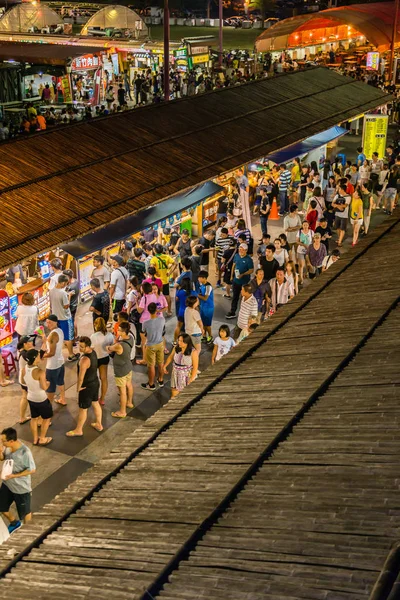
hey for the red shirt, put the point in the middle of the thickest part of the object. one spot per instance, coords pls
(350, 189)
(312, 218)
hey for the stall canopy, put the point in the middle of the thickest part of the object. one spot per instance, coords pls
(117, 17)
(311, 143)
(139, 221)
(374, 21)
(63, 184)
(42, 54)
(21, 17)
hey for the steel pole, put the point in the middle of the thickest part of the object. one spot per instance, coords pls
(394, 35)
(221, 18)
(166, 51)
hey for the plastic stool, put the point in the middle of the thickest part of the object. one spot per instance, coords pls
(8, 362)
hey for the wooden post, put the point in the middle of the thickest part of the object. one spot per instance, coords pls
(166, 51)
(221, 18)
(394, 35)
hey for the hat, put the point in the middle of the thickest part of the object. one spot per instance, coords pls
(118, 258)
(244, 246)
(24, 339)
(53, 318)
(31, 356)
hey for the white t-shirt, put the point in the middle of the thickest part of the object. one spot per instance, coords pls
(224, 346)
(54, 280)
(102, 274)
(133, 297)
(191, 318)
(119, 278)
(58, 300)
(100, 341)
(27, 319)
(281, 257)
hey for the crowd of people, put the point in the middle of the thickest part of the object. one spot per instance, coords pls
(166, 272)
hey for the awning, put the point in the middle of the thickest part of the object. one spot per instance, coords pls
(311, 143)
(138, 221)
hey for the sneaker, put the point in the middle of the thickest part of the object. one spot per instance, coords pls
(209, 339)
(147, 386)
(14, 526)
(230, 315)
(160, 383)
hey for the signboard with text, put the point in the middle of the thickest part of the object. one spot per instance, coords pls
(374, 135)
(372, 61)
(83, 63)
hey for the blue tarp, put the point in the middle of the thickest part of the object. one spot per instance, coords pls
(311, 143)
(139, 221)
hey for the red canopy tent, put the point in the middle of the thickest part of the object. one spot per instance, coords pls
(374, 21)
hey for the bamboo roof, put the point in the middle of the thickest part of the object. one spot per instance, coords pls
(62, 184)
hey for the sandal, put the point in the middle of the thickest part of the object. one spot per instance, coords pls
(24, 420)
(95, 426)
(73, 434)
(7, 382)
(59, 402)
(46, 442)
(117, 416)
(226, 296)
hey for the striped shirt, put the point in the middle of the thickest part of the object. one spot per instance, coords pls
(248, 308)
(221, 245)
(284, 180)
(281, 292)
(246, 233)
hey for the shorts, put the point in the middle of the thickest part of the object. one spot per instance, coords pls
(155, 354)
(180, 319)
(341, 223)
(122, 381)
(41, 409)
(206, 317)
(390, 194)
(295, 185)
(22, 501)
(103, 361)
(355, 221)
(117, 306)
(196, 338)
(165, 289)
(67, 327)
(55, 377)
(88, 395)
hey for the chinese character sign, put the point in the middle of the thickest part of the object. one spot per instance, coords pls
(88, 61)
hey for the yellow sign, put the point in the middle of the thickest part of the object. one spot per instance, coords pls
(200, 58)
(374, 135)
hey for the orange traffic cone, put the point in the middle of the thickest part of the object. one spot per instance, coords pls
(273, 213)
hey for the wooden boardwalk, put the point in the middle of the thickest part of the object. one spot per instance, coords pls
(272, 476)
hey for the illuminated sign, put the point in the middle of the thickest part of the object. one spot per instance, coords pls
(372, 61)
(374, 135)
(88, 61)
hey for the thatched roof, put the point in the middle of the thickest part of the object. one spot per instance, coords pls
(60, 185)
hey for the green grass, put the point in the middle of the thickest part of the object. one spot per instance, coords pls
(242, 39)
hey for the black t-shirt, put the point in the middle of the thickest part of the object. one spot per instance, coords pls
(323, 231)
(269, 267)
(73, 287)
(205, 256)
(101, 303)
(121, 95)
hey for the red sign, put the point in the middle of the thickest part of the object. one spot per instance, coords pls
(83, 63)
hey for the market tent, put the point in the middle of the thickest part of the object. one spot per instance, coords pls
(80, 178)
(117, 17)
(22, 17)
(374, 21)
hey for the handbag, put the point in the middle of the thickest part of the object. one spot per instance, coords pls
(8, 466)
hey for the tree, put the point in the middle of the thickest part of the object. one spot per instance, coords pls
(264, 6)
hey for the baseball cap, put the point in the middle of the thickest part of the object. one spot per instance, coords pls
(24, 339)
(31, 356)
(53, 318)
(118, 258)
(244, 246)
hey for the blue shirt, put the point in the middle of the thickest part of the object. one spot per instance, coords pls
(243, 182)
(360, 159)
(242, 264)
(205, 289)
(180, 297)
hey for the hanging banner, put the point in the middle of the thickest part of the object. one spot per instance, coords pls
(374, 135)
(95, 99)
(83, 63)
(66, 88)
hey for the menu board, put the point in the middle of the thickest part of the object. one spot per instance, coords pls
(42, 300)
(85, 270)
(372, 61)
(374, 135)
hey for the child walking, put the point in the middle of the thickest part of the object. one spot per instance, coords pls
(223, 344)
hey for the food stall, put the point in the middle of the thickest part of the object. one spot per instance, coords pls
(40, 289)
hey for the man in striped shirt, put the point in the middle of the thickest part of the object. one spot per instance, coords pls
(223, 243)
(282, 290)
(248, 308)
(284, 182)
